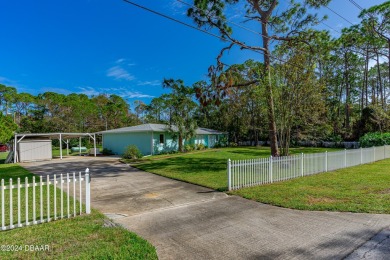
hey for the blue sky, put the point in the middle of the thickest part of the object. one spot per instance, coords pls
(100, 46)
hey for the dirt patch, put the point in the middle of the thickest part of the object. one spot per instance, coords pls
(386, 191)
(151, 195)
(323, 200)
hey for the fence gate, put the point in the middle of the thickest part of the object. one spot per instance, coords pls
(38, 200)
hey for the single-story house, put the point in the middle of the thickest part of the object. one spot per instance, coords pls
(154, 138)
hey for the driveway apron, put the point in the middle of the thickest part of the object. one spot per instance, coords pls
(185, 221)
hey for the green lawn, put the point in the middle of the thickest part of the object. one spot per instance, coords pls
(56, 153)
(208, 167)
(82, 237)
(3, 156)
(363, 188)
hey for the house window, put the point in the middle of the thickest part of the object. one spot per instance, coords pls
(161, 138)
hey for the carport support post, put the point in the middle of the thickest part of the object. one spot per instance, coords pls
(80, 145)
(94, 143)
(67, 146)
(61, 146)
(87, 192)
(15, 149)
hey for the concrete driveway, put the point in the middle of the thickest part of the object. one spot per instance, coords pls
(185, 221)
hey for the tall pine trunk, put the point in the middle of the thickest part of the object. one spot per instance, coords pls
(270, 98)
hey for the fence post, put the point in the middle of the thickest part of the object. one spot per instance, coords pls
(19, 215)
(26, 193)
(48, 197)
(302, 158)
(11, 203)
(361, 155)
(229, 175)
(270, 169)
(87, 192)
(345, 158)
(374, 154)
(2, 205)
(55, 197)
(326, 161)
(34, 203)
(384, 151)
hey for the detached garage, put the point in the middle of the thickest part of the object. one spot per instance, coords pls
(34, 150)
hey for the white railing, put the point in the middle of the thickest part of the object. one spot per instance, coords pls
(245, 173)
(35, 202)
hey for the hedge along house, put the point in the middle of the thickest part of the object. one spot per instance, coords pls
(154, 138)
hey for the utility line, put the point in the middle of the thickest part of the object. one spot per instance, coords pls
(356, 4)
(213, 34)
(234, 23)
(173, 19)
(360, 8)
(339, 15)
(330, 27)
(202, 30)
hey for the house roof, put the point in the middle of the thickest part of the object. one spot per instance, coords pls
(157, 128)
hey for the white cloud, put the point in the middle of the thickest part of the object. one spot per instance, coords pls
(89, 91)
(122, 92)
(149, 83)
(7, 81)
(135, 94)
(118, 61)
(119, 73)
(178, 8)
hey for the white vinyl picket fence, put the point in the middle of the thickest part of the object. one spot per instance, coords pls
(56, 197)
(246, 173)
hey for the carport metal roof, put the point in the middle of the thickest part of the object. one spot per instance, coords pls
(51, 136)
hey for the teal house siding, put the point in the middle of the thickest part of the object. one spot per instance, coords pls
(167, 144)
(153, 138)
(117, 142)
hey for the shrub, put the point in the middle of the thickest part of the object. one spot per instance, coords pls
(189, 147)
(222, 142)
(132, 152)
(374, 139)
(107, 152)
(233, 144)
(200, 147)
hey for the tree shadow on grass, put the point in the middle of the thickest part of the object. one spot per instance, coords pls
(14, 171)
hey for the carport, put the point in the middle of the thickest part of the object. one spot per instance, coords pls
(62, 137)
